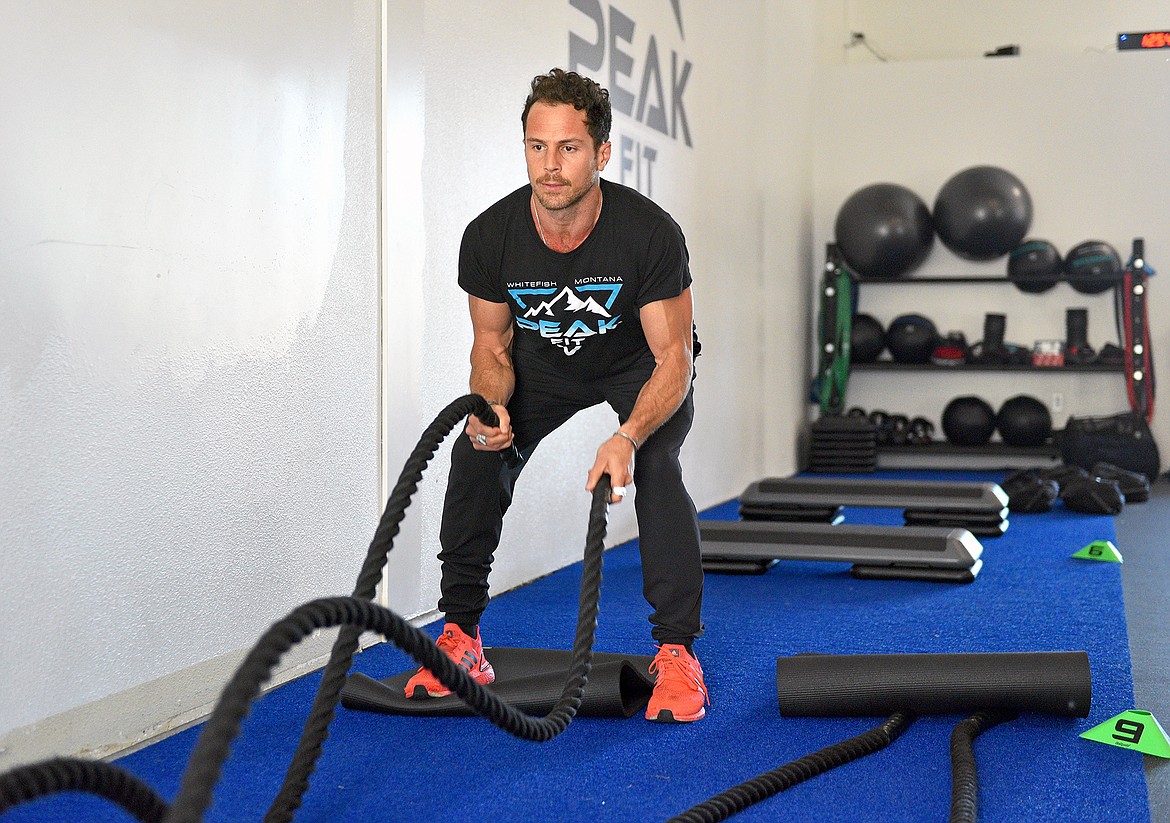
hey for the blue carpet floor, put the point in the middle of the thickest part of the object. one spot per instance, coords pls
(1030, 596)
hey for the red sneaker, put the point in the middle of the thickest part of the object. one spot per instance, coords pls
(679, 693)
(466, 651)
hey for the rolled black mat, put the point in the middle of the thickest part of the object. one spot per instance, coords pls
(870, 685)
(531, 680)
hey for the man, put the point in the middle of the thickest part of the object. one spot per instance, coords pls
(579, 293)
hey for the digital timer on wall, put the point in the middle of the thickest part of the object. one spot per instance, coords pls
(1144, 40)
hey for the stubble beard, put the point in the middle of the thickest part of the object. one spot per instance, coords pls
(566, 200)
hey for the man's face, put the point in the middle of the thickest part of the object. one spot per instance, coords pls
(562, 165)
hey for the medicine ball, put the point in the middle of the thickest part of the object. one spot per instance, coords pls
(867, 340)
(968, 421)
(982, 213)
(1035, 266)
(1024, 421)
(884, 230)
(1092, 267)
(911, 338)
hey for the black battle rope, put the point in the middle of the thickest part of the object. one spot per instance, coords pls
(66, 774)
(211, 751)
(354, 614)
(296, 779)
(964, 782)
(738, 798)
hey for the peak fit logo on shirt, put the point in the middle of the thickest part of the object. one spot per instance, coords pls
(567, 316)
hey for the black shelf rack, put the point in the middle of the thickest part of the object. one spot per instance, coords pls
(910, 281)
(890, 365)
(1068, 368)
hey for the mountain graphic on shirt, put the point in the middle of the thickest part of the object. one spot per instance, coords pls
(570, 303)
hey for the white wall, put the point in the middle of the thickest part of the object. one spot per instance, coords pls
(742, 201)
(190, 346)
(188, 355)
(1083, 133)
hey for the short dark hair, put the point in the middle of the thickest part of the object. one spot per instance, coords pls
(583, 94)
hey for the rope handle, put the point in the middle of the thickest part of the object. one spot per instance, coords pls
(484, 411)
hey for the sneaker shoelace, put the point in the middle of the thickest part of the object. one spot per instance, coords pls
(680, 669)
(450, 644)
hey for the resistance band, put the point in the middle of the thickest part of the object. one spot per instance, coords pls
(1133, 316)
(836, 330)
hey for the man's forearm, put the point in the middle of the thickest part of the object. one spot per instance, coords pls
(660, 397)
(492, 376)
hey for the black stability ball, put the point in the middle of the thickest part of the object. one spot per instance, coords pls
(1035, 266)
(911, 338)
(968, 421)
(884, 230)
(1024, 421)
(982, 213)
(1092, 267)
(867, 340)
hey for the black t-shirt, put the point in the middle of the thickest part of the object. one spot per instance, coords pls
(577, 311)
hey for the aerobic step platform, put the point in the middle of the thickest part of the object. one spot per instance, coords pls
(979, 507)
(876, 552)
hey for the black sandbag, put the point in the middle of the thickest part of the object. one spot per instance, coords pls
(531, 680)
(1093, 495)
(1029, 493)
(872, 685)
(1134, 485)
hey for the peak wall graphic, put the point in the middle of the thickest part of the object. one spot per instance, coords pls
(609, 32)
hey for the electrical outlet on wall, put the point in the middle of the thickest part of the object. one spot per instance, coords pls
(1057, 401)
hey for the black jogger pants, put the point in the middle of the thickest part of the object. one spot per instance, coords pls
(480, 485)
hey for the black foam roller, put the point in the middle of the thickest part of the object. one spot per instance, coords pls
(531, 680)
(870, 685)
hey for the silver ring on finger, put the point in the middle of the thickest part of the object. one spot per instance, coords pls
(481, 439)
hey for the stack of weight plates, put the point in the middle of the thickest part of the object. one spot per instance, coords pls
(843, 444)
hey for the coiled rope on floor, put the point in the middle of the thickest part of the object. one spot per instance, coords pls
(354, 614)
(738, 798)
